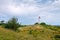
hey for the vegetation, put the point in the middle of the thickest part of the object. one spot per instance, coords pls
(57, 37)
(12, 24)
(42, 23)
(36, 23)
(15, 31)
(33, 32)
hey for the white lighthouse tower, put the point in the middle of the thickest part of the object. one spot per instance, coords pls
(39, 19)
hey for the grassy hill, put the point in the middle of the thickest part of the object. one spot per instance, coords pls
(31, 32)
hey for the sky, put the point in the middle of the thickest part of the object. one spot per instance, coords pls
(28, 11)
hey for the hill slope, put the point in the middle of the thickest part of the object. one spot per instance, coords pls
(32, 32)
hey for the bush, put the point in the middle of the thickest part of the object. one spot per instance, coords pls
(42, 23)
(12, 24)
(2, 22)
(36, 23)
(57, 37)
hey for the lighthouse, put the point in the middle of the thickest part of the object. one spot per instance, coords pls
(39, 19)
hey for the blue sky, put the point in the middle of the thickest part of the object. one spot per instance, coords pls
(28, 11)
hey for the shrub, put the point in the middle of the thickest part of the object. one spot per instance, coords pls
(36, 23)
(57, 37)
(2, 22)
(12, 24)
(42, 23)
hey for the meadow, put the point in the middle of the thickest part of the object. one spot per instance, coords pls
(31, 32)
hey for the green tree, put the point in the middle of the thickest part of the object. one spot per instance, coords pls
(12, 24)
(36, 23)
(2, 22)
(42, 23)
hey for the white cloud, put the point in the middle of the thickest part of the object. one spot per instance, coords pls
(49, 16)
(31, 9)
(16, 10)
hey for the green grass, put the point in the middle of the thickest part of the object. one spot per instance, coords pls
(32, 32)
